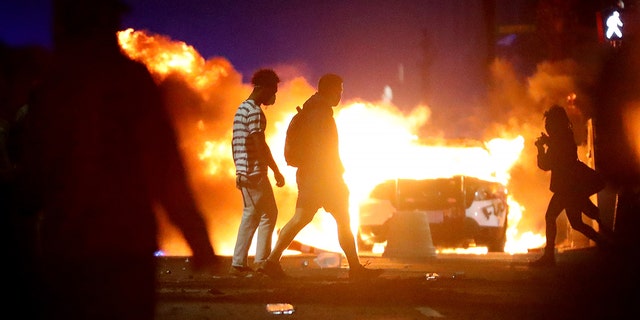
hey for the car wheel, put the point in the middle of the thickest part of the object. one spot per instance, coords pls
(497, 244)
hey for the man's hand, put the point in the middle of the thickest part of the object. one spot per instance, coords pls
(279, 179)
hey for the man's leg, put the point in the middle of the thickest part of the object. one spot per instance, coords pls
(300, 219)
(246, 230)
(338, 207)
(271, 266)
(345, 236)
(269, 215)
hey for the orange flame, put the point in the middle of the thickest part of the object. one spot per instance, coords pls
(377, 141)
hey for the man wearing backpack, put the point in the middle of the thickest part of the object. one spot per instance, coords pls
(320, 182)
(253, 158)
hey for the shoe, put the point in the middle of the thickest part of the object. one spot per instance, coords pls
(544, 261)
(363, 273)
(241, 272)
(273, 270)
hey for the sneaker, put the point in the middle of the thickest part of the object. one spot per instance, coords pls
(241, 272)
(544, 261)
(363, 273)
(272, 270)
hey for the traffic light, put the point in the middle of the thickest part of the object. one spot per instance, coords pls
(610, 23)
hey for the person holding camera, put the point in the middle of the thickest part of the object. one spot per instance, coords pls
(572, 183)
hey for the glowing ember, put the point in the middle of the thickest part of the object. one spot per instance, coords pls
(378, 142)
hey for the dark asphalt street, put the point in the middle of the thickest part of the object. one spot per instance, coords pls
(587, 283)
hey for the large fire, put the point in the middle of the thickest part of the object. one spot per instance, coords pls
(378, 142)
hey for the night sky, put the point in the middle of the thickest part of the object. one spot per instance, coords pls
(432, 52)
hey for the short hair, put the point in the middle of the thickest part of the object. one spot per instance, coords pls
(265, 78)
(328, 82)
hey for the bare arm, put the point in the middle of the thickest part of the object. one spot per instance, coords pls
(263, 149)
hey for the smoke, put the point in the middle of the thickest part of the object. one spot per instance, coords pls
(517, 105)
(202, 96)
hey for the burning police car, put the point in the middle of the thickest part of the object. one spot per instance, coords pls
(460, 210)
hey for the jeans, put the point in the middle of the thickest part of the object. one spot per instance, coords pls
(260, 213)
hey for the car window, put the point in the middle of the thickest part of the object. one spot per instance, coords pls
(436, 194)
(428, 194)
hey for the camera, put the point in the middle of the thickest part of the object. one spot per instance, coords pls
(542, 140)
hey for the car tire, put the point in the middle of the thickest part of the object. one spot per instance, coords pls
(497, 244)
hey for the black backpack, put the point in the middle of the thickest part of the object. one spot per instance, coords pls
(294, 143)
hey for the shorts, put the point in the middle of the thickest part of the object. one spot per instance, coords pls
(315, 193)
